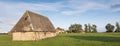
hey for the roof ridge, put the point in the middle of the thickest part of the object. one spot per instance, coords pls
(34, 13)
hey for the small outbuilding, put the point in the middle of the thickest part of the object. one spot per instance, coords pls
(32, 26)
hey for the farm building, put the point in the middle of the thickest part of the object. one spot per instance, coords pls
(32, 26)
(60, 30)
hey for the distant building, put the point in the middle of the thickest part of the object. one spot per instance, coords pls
(32, 26)
(60, 30)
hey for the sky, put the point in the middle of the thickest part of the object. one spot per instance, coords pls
(62, 13)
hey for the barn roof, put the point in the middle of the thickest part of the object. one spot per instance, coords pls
(31, 21)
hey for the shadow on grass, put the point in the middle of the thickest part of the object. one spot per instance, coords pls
(97, 38)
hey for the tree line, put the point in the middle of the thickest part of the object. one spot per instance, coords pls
(111, 28)
(88, 28)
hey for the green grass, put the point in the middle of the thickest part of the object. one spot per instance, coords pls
(73, 39)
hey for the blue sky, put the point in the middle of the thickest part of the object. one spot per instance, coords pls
(62, 13)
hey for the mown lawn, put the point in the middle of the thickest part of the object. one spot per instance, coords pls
(73, 39)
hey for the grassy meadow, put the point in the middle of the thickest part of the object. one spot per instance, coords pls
(72, 39)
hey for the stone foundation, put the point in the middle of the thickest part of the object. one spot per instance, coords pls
(26, 36)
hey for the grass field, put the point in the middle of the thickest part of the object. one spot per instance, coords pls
(73, 39)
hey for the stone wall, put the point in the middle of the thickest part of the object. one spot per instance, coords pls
(26, 36)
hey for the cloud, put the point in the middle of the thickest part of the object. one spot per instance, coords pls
(29, 6)
(82, 7)
(3, 30)
(8, 22)
(115, 7)
(13, 11)
(1, 22)
(78, 7)
(71, 12)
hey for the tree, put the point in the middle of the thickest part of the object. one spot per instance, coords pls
(86, 28)
(89, 27)
(109, 27)
(117, 27)
(94, 28)
(58, 28)
(75, 28)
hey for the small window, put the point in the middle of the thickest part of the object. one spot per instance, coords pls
(26, 17)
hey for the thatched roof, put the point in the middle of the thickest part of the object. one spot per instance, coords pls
(33, 22)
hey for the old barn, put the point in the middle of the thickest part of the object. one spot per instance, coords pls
(32, 26)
